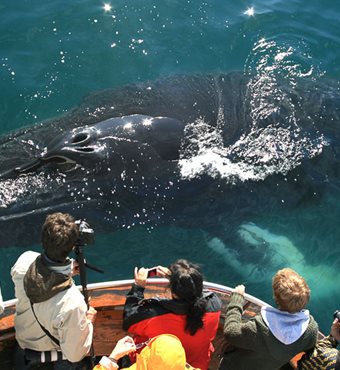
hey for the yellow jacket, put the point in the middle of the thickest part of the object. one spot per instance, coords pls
(162, 352)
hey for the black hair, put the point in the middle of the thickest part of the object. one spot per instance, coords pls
(186, 282)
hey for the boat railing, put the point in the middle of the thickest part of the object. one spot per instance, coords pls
(102, 286)
(108, 299)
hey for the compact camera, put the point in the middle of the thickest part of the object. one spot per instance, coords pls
(152, 272)
(86, 234)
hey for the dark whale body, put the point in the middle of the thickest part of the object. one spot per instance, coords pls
(126, 157)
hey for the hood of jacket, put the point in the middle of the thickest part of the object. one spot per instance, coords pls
(162, 352)
(44, 279)
(286, 327)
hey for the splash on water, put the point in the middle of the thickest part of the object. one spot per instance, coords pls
(275, 143)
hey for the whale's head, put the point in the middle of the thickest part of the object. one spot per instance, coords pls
(115, 170)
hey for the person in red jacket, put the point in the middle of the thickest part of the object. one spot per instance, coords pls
(192, 314)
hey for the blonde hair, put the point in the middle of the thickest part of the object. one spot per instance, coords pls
(291, 291)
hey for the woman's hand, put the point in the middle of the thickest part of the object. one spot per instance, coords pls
(123, 347)
(140, 276)
(163, 272)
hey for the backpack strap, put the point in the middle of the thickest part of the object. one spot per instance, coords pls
(54, 339)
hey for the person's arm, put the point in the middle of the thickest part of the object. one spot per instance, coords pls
(75, 332)
(136, 309)
(123, 347)
(335, 332)
(132, 307)
(239, 334)
(326, 342)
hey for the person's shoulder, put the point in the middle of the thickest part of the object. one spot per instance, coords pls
(70, 299)
(28, 256)
(214, 302)
(312, 322)
(312, 327)
(24, 261)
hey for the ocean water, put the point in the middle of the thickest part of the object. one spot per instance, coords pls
(54, 53)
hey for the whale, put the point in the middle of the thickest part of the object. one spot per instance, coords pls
(275, 252)
(198, 151)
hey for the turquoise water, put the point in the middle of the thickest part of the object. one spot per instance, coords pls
(54, 53)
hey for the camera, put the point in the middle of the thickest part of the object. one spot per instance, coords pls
(152, 272)
(336, 315)
(86, 234)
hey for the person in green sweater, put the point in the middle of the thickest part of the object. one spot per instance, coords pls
(273, 337)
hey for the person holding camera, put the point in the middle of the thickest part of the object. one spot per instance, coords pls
(191, 313)
(325, 355)
(52, 318)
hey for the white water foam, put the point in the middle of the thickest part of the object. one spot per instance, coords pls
(274, 143)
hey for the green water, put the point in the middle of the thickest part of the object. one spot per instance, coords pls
(53, 53)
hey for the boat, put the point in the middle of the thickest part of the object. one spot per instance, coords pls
(108, 299)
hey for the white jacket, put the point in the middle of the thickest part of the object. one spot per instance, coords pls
(63, 315)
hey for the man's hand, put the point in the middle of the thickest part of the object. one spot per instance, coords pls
(91, 314)
(123, 347)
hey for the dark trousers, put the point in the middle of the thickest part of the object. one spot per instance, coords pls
(20, 363)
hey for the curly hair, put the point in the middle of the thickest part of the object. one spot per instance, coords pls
(186, 283)
(291, 291)
(58, 236)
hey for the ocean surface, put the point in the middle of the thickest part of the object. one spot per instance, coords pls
(54, 53)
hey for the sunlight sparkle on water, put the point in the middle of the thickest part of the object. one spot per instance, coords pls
(250, 12)
(107, 7)
(147, 121)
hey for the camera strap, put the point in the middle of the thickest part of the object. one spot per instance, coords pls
(53, 338)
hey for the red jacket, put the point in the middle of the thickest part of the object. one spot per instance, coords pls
(147, 318)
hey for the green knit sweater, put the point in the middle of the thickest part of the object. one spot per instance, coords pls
(256, 346)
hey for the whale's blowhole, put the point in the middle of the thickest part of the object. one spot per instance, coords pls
(80, 137)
